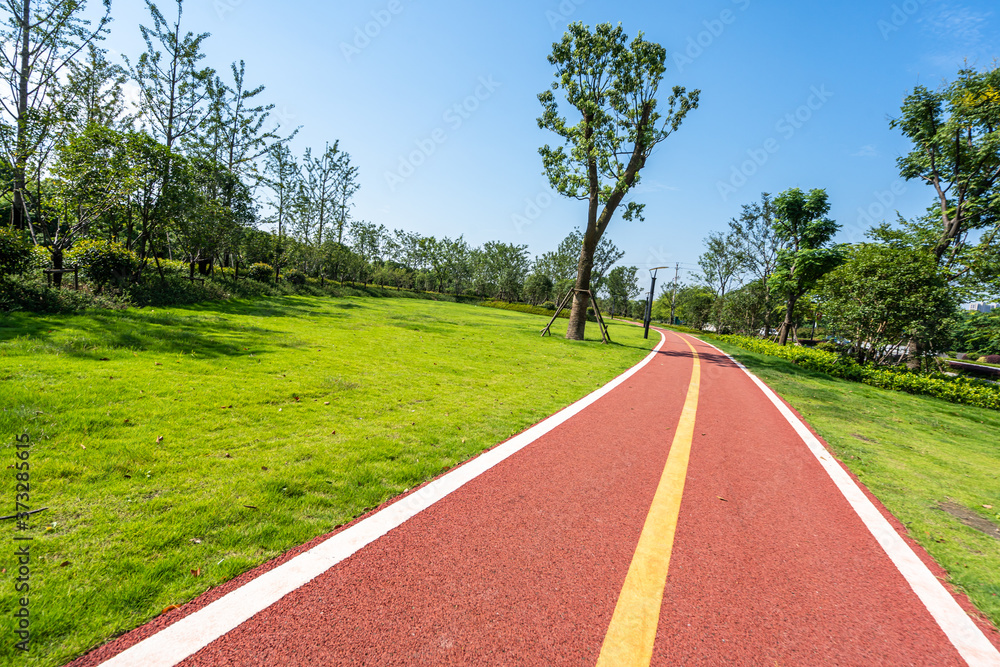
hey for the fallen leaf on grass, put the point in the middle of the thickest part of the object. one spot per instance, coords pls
(989, 507)
(171, 608)
(197, 572)
(157, 364)
(195, 540)
(104, 359)
(264, 468)
(65, 563)
(250, 507)
(160, 439)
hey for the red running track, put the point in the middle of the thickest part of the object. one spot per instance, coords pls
(524, 564)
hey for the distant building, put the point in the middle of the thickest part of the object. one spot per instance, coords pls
(982, 307)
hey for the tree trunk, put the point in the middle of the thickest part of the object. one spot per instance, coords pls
(57, 264)
(913, 355)
(787, 324)
(578, 315)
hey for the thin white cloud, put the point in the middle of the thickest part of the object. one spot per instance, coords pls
(959, 23)
(866, 151)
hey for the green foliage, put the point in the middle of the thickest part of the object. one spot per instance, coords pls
(295, 277)
(801, 226)
(882, 295)
(103, 262)
(261, 272)
(15, 252)
(956, 390)
(954, 132)
(537, 288)
(532, 310)
(979, 331)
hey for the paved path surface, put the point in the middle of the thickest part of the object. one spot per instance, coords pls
(557, 554)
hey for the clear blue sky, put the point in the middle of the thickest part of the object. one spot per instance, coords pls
(756, 63)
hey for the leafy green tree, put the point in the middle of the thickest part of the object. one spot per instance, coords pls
(282, 175)
(802, 226)
(622, 286)
(93, 173)
(173, 89)
(881, 295)
(40, 39)
(755, 230)
(693, 305)
(979, 332)
(93, 94)
(537, 288)
(721, 264)
(956, 137)
(500, 270)
(613, 86)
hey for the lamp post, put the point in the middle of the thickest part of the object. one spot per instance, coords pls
(649, 301)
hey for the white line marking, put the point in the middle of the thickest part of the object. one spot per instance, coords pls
(965, 635)
(195, 631)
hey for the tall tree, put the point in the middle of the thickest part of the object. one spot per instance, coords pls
(93, 93)
(172, 87)
(282, 176)
(40, 38)
(613, 85)
(622, 286)
(956, 137)
(755, 230)
(805, 231)
(721, 264)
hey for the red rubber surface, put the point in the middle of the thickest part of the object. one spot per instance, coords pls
(524, 564)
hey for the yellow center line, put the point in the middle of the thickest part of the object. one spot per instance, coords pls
(630, 636)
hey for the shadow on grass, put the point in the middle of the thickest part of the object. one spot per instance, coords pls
(205, 329)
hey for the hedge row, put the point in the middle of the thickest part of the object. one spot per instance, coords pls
(533, 310)
(955, 389)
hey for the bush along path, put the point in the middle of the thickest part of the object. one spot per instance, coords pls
(963, 390)
(681, 515)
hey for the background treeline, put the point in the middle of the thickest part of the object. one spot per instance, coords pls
(190, 189)
(895, 296)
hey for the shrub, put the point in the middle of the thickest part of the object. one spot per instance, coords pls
(295, 277)
(955, 389)
(548, 305)
(827, 346)
(992, 358)
(40, 258)
(261, 272)
(15, 252)
(972, 356)
(103, 262)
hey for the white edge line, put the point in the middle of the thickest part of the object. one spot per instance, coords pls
(963, 633)
(197, 630)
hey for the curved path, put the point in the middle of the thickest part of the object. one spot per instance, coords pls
(680, 516)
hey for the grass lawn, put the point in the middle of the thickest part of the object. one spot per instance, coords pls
(178, 447)
(913, 453)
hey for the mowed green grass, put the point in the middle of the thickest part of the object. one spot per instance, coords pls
(177, 448)
(912, 452)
